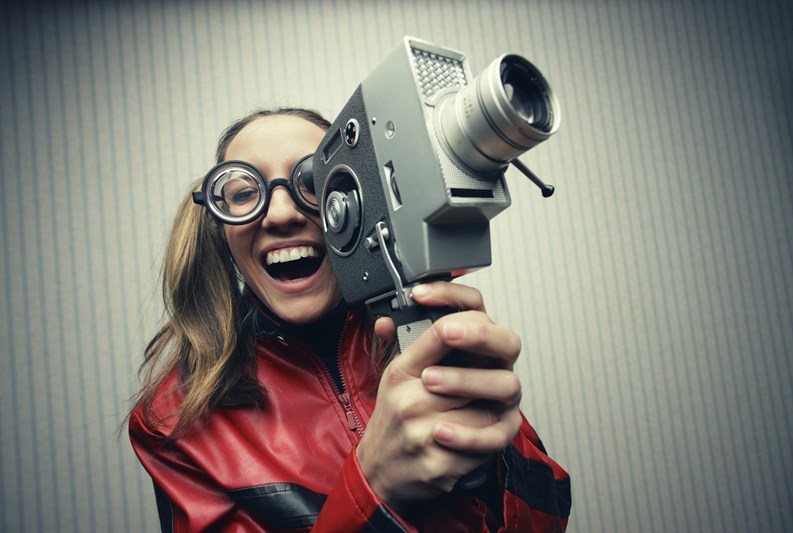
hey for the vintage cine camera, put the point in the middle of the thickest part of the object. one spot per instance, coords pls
(412, 170)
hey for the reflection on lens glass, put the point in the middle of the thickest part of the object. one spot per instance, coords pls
(307, 195)
(525, 96)
(519, 102)
(238, 193)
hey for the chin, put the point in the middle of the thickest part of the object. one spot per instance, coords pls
(302, 313)
(303, 308)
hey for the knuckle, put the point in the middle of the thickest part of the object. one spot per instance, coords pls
(514, 389)
(436, 467)
(479, 332)
(394, 374)
(517, 345)
(502, 439)
(415, 438)
(513, 346)
(515, 421)
(407, 406)
(478, 299)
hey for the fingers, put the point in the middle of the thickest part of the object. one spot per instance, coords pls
(441, 293)
(489, 438)
(477, 335)
(468, 331)
(488, 424)
(436, 294)
(495, 385)
(427, 350)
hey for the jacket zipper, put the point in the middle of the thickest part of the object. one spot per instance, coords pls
(353, 423)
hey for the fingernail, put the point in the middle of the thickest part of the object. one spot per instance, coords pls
(431, 376)
(453, 330)
(444, 433)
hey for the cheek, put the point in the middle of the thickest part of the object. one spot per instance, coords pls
(316, 224)
(239, 242)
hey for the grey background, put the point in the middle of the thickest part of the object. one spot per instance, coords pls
(652, 292)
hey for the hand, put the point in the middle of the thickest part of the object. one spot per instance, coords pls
(433, 424)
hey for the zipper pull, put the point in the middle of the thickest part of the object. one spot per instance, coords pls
(344, 398)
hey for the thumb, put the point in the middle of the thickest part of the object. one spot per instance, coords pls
(385, 329)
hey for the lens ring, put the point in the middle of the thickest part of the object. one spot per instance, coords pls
(506, 110)
(302, 181)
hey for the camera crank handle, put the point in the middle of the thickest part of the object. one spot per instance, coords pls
(547, 189)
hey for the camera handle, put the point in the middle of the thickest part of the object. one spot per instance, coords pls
(411, 320)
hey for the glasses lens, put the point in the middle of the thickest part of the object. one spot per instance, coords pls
(236, 192)
(303, 182)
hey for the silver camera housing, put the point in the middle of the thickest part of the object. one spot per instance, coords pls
(418, 156)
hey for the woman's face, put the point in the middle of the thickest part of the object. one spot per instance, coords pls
(282, 254)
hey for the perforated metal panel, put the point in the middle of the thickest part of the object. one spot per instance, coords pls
(435, 72)
(408, 334)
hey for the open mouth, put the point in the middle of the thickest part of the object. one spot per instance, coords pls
(289, 264)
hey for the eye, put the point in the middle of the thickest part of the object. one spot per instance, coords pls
(240, 194)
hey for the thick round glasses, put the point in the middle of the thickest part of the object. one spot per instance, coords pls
(235, 192)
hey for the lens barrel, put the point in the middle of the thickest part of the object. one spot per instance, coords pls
(508, 109)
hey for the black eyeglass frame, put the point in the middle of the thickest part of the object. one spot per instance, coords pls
(301, 171)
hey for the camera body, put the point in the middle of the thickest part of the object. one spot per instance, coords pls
(412, 169)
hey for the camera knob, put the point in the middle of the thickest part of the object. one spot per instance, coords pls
(336, 211)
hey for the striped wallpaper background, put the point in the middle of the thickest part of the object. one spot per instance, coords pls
(652, 292)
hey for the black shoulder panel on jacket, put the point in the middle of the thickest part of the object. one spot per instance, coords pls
(282, 505)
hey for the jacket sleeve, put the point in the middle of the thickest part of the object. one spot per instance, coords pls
(536, 490)
(528, 492)
(353, 506)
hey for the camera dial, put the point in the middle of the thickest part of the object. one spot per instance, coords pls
(341, 211)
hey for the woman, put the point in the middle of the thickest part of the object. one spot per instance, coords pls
(262, 408)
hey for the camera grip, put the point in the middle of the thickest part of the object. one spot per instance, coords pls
(411, 322)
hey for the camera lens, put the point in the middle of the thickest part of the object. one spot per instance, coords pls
(526, 97)
(508, 109)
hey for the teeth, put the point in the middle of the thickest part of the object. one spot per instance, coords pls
(285, 255)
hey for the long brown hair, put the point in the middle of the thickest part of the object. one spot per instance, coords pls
(206, 333)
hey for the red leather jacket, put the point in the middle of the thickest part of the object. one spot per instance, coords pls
(291, 465)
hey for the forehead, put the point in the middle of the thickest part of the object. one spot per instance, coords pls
(275, 141)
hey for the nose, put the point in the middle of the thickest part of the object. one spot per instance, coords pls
(282, 213)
